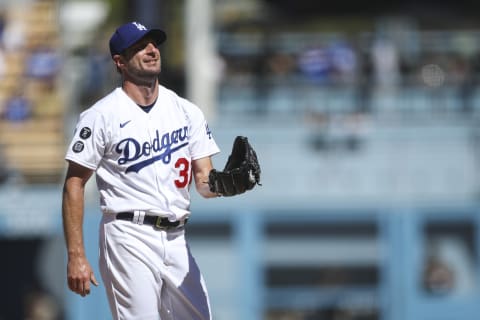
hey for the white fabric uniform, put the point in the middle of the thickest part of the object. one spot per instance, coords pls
(143, 164)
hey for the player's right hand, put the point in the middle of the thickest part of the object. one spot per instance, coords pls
(80, 275)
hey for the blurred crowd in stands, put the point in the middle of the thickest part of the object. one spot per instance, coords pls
(367, 63)
(28, 64)
(31, 99)
(378, 58)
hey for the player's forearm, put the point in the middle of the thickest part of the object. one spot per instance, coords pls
(201, 171)
(204, 190)
(72, 214)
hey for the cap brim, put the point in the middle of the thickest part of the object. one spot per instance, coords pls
(119, 45)
(157, 34)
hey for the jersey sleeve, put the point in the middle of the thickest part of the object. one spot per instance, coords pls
(201, 141)
(88, 143)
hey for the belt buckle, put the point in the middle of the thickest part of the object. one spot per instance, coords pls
(158, 223)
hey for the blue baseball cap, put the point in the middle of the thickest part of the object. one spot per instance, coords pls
(129, 33)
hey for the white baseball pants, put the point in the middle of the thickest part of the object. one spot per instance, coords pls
(150, 274)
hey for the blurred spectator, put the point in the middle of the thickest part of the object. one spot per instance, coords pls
(13, 34)
(314, 63)
(438, 277)
(463, 77)
(3, 23)
(43, 62)
(17, 107)
(385, 62)
(343, 61)
(337, 62)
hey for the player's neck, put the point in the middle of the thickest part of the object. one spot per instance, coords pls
(141, 94)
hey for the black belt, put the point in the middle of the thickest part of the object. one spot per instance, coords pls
(156, 221)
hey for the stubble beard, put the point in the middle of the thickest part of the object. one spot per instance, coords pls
(146, 74)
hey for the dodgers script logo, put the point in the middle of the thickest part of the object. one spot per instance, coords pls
(161, 148)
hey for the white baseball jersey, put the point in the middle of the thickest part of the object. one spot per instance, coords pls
(142, 160)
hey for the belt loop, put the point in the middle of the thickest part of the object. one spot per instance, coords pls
(138, 216)
(136, 213)
(141, 217)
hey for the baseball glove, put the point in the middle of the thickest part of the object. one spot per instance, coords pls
(241, 173)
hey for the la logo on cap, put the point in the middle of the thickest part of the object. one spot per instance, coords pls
(129, 33)
(139, 26)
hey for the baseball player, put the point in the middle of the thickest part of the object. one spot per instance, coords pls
(145, 145)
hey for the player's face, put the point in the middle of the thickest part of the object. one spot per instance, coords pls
(143, 59)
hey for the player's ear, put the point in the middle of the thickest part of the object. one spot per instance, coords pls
(119, 61)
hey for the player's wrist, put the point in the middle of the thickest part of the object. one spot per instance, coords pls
(76, 253)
